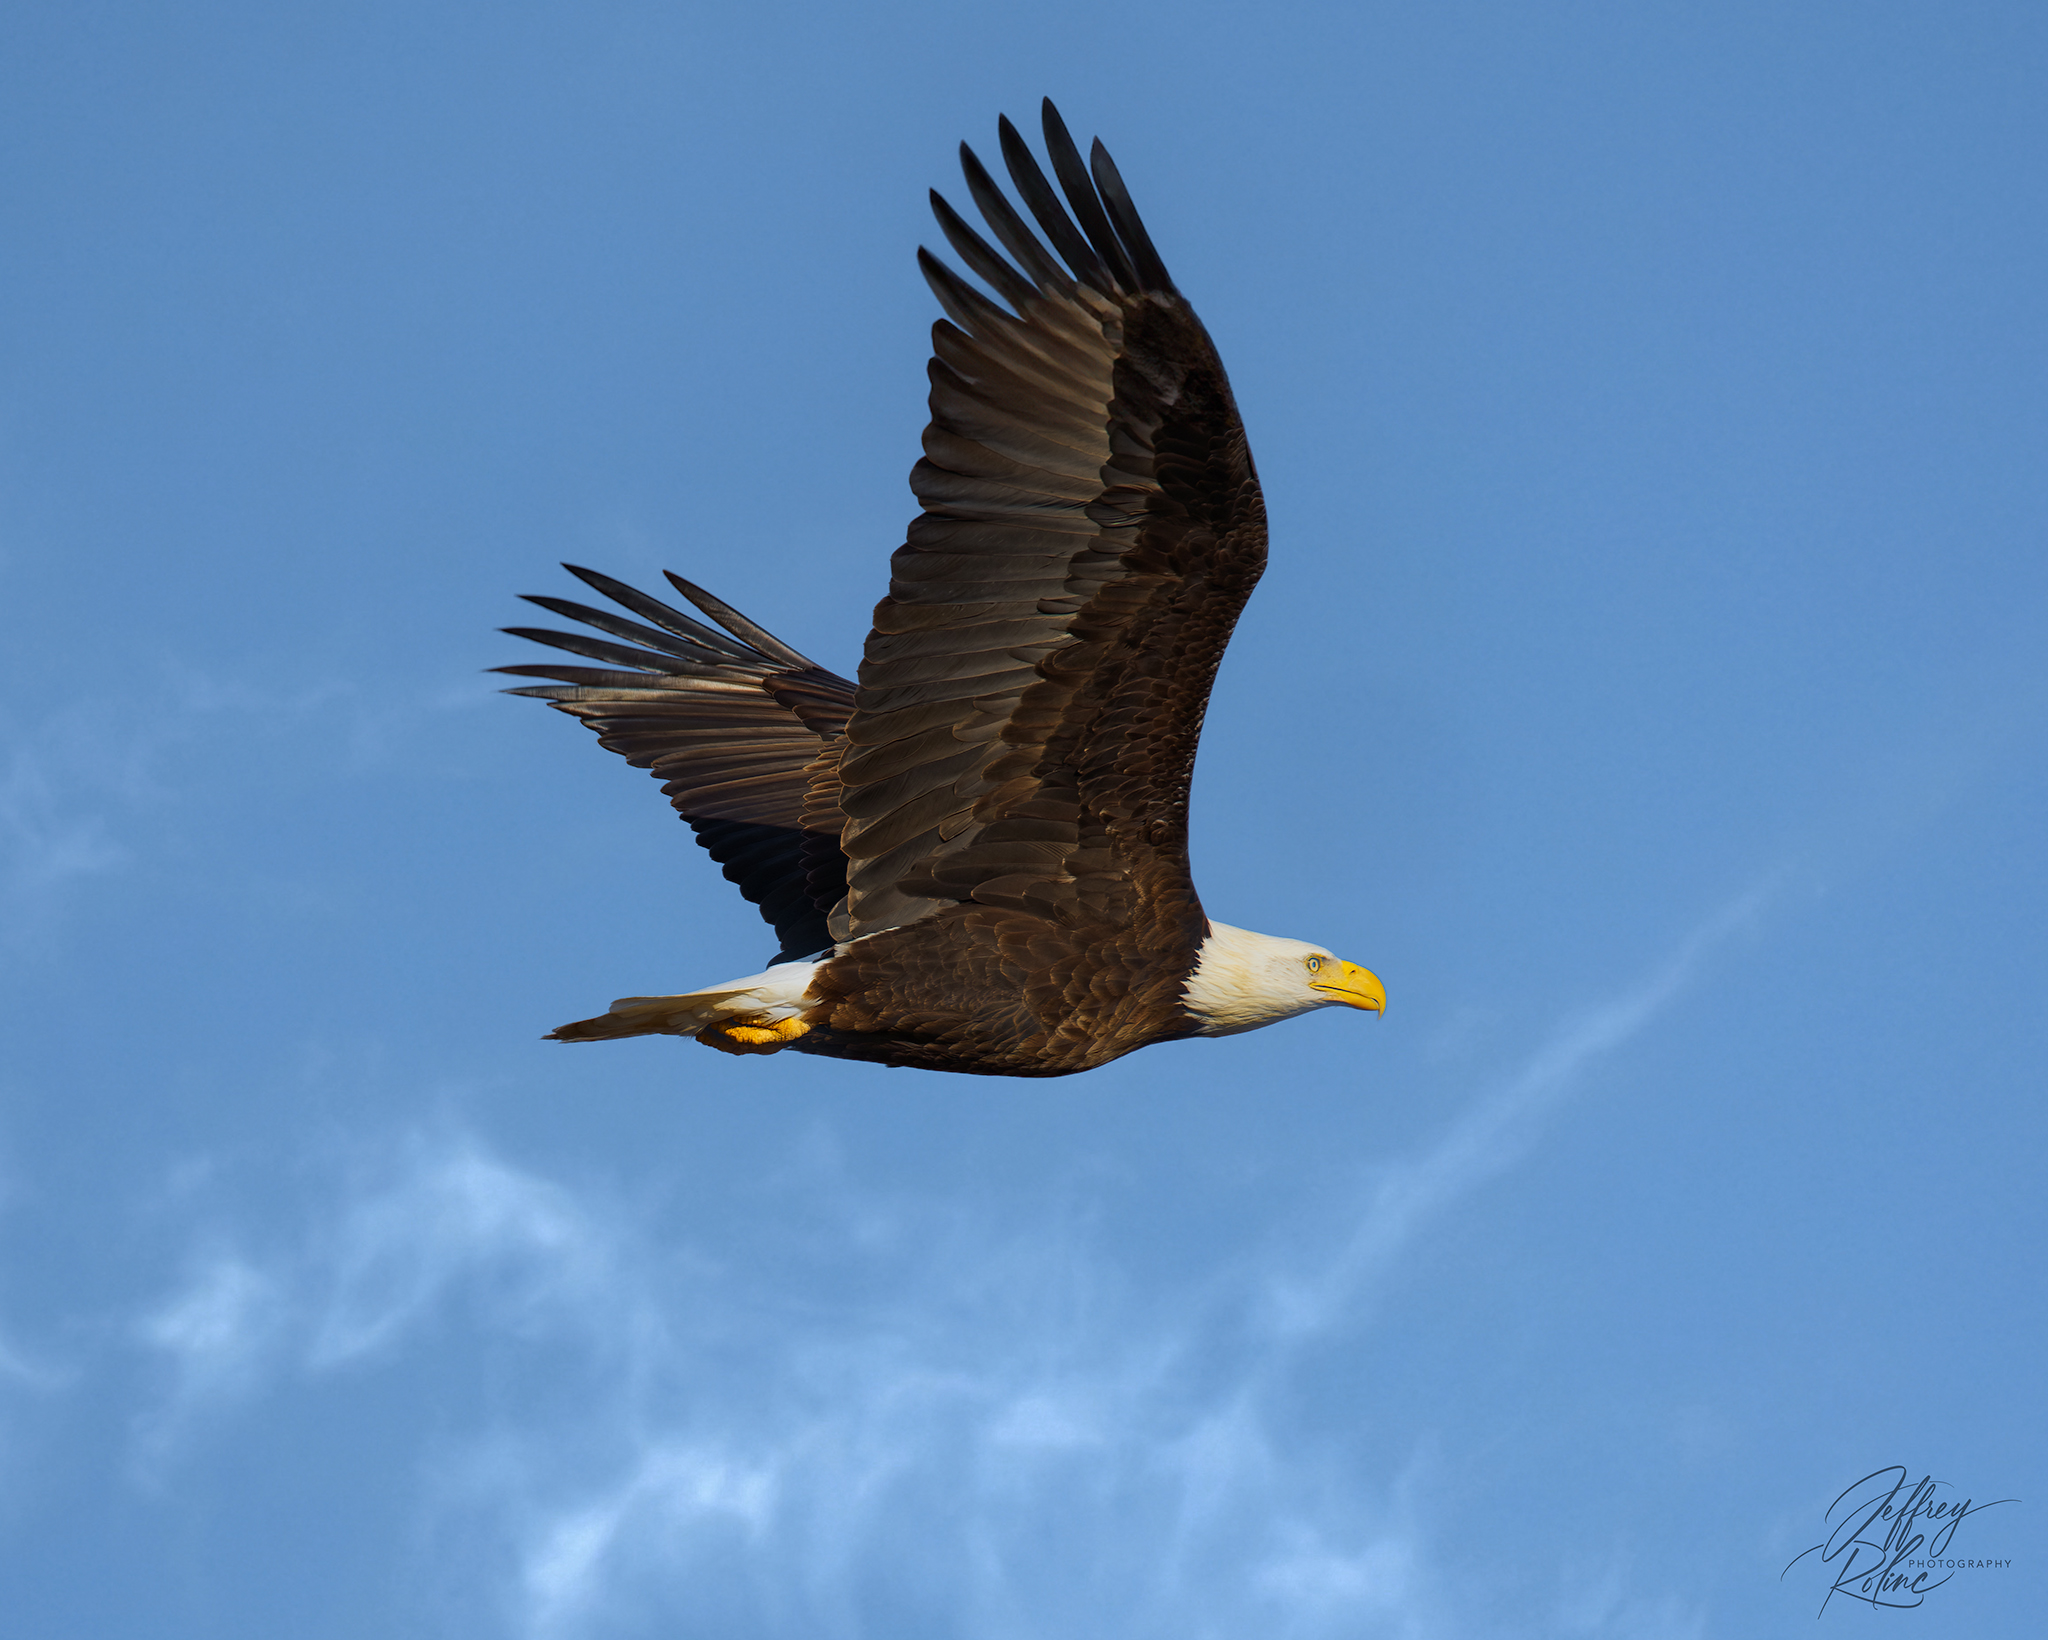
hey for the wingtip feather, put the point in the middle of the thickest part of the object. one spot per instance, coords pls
(1079, 188)
(738, 625)
(1130, 227)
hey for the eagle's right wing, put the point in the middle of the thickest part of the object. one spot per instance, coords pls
(1035, 682)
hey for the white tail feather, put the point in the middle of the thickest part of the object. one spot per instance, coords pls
(762, 999)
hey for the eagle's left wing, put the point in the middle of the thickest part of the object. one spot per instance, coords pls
(734, 723)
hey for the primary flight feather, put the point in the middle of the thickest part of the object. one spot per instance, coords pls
(975, 858)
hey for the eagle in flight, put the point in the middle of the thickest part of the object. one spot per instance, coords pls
(975, 858)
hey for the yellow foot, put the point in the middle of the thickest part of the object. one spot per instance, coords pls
(751, 1035)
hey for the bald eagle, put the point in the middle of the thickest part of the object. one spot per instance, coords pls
(976, 857)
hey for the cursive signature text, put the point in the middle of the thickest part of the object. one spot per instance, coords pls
(1886, 1529)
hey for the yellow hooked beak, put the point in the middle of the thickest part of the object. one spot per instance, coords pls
(1347, 982)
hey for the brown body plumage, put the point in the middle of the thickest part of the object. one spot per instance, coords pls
(989, 831)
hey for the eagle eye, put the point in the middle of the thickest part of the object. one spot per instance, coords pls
(1314, 963)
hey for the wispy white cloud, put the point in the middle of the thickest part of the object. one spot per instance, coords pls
(672, 1491)
(213, 1333)
(993, 1431)
(47, 840)
(214, 1323)
(447, 1214)
(16, 1367)
(83, 788)
(430, 1221)
(1600, 1603)
(1493, 1133)
(853, 1416)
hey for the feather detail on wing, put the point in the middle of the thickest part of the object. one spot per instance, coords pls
(1033, 687)
(733, 722)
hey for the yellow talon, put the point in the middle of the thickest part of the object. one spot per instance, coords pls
(754, 1035)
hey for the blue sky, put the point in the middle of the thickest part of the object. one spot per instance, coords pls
(1649, 685)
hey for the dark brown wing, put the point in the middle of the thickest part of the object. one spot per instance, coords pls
(1033, 689)
(732, 723)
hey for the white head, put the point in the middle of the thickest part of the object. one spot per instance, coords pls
(1244, 980)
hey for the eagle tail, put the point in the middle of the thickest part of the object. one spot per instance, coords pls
(757, 1014)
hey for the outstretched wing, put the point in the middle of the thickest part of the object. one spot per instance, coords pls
(733, 723)
(1033, 689)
